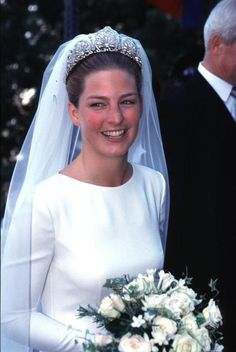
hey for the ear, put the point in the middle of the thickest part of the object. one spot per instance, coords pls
(73, 111)
(216, 44)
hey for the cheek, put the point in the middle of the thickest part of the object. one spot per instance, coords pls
(233, 63)
(134, 117)
(229, 59)
(92, 122)
(230, 71)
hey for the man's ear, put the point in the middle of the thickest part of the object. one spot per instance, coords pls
(216, 44)
(73, 111)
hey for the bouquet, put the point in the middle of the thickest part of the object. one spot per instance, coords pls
(154, 312)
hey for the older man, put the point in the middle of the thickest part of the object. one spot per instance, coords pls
(198, 122)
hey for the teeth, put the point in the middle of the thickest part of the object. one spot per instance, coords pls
(114, 133)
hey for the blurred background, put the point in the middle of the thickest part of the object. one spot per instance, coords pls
(31, 31)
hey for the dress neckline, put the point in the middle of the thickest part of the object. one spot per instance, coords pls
(92, 185)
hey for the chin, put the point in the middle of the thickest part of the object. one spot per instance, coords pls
(117, 153)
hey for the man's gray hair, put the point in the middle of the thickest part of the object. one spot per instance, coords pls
(221, 21)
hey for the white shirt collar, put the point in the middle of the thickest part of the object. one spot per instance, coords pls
(221, 87)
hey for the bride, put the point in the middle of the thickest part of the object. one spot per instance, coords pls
(89, 195)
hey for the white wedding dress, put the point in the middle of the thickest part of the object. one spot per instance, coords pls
(83, 234)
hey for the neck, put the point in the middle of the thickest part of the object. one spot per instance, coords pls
(209, 65)
(107, 172)
(214, 65)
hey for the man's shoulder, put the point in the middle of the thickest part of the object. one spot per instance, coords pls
(180, 89)
(189, 98)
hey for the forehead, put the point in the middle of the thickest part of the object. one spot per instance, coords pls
(110, 72)
(114, 76)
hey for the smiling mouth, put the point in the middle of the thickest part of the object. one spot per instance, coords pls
(114, 133)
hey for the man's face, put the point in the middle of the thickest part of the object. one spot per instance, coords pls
(227, 62)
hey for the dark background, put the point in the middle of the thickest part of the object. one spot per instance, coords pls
(31, 31)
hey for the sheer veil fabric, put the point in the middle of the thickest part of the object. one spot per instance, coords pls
(51, 143)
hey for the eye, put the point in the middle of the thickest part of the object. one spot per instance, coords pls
(129, 102)
(97, 105)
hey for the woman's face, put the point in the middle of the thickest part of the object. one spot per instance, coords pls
(108, 113)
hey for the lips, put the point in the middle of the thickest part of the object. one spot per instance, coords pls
(116, 133)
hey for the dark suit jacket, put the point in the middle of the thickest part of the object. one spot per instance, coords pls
(199, 137)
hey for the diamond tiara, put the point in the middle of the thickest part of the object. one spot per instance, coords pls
(106, 39)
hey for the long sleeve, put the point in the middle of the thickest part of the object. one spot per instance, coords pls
(46, 333)
(24, 281)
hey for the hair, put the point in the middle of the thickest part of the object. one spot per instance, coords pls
(97, 62)
(221, 21)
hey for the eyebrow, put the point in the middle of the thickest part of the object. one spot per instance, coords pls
(105, 97)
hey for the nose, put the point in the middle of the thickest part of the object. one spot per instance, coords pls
(115, 115)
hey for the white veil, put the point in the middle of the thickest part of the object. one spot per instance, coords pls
(51, 143)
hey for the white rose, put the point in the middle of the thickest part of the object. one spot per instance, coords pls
(180, 303)
(137, 287)
(168, 326)
(165, 280)
(159, 337)
(107, 309)
(102, 340)
(212, 314)
(203, 337)
(190, 293)
(135, 343)
(117, 302)
(173, 305)
(185, 342)
(153, 301)
(189, 323)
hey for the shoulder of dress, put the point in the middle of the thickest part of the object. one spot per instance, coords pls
(48, 185)
(148, 172)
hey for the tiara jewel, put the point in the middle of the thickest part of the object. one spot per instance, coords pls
(107, 39)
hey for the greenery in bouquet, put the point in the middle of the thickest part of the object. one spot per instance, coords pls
(155, 312)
